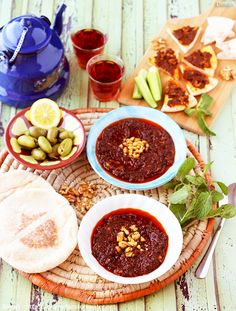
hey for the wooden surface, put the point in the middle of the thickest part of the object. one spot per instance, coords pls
(130, 25)
(219, 94)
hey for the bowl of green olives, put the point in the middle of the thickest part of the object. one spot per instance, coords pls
(45, 149)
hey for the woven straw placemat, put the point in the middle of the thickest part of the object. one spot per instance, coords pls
(73, 278)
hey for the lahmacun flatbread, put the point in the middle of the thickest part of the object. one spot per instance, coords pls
(197, 82)
(185, 37)
(204, 60)
(177, 98)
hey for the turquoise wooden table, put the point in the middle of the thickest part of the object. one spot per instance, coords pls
(130, 24)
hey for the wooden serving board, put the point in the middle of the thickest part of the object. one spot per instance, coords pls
(219, 94)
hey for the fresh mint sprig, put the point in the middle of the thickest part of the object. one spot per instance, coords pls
(201, 111)
(192, 198)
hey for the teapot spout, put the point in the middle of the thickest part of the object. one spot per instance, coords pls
(58, 25)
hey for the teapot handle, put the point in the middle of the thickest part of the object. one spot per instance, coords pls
(19, 45)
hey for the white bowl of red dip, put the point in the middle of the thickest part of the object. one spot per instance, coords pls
(136, 148)
(130, 238)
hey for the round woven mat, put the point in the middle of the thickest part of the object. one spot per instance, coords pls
(73, 278)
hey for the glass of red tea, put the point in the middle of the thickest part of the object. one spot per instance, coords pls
(87, 43)
(105, 73)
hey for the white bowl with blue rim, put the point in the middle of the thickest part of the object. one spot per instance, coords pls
(149, 114)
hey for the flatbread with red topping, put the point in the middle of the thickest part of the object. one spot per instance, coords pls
(168, 61)
(204, 60)
(177, 98)
(185, 36)
(196, 81)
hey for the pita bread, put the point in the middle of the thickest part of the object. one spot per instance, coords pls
(38, 229)
(16, 180)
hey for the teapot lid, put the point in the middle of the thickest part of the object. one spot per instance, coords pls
(38, 33)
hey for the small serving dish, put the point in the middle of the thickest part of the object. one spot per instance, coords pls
(114, 139)
(20, 123)
(134, 260)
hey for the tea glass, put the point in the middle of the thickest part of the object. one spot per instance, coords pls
(105, 74)
(87, 43)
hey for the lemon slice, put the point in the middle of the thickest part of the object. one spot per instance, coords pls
(45, 113)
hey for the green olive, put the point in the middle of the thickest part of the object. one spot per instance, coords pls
(15, 145)
(65, 147)
(26, 141)
(38, 154)
(66, 134)
(27, 133)
(54, 154)
(52, 135)
(37, 131)
(61, 129)
(44, 144)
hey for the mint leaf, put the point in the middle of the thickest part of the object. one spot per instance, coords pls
(204, 103)
(196, 180)
(185, 168)
(216, 196)
(223, 187)
(171, 184)
(225, 211)
(190, 213)
(202, 124)
(189, 111)
(207, 167)
(203, 205)
(180, 196)
(178, 210)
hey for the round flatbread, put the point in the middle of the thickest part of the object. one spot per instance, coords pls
(38, 229)
(16, 180)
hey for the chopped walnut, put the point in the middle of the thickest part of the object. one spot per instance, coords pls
(134, 147)
(228, 73)
(159, 44)
(129, 241)
(81, 198)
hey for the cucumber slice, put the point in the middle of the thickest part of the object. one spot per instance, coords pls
(145, 91)
(136, 93)
(154, 82)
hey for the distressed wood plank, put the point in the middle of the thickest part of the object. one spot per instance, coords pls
(155, 15)
(164, 300)
(134, 305)
(223, 152)
(103, 19)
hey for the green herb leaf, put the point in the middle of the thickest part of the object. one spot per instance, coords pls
(178, 210)
(225, 211)
(185, 168)
(190, 213)
(223, 187)
(196, 180)
(203, 205)
(204, 103)
(216, 196)
(189, 111)
(171, 184)
(207, 167)
(180, 196)
(202, 124)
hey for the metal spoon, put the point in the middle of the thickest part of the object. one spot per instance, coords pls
(203, 267)
(1, 126)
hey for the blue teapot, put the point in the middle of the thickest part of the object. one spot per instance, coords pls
(32, 60)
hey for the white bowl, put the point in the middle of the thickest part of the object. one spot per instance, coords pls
(136, 201)
(149, 114)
